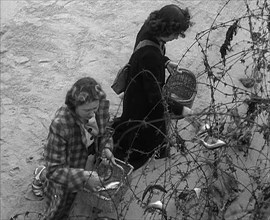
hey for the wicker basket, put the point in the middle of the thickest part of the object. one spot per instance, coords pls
(107, 199)
(182, 87)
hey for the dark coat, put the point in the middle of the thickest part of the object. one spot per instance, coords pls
(141, 126)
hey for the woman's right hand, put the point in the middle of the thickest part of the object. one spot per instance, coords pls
(93, 182)
(171, 67)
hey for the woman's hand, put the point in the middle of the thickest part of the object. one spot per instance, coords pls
(171, 67)
(121, 96)
(107, 154)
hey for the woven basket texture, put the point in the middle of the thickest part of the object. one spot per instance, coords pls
(108, 200)
(182, 86)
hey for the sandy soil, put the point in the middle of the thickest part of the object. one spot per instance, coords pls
(47, 45)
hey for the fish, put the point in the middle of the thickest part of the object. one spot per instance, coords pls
(112, 185)
(217, 144)
(157, 205)
(198, 192)
(203, 129)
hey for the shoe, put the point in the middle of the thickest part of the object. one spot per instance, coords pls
(39, 179)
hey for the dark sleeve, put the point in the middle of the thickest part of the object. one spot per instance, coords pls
(165, 59)
(152, 64)
(175, 107)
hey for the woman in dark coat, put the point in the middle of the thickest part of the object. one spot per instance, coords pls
(141, 129)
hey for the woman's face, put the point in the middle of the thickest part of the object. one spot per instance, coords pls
(87, 110)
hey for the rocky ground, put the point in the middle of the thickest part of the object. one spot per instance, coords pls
(47, 45)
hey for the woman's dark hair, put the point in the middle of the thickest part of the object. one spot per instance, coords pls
(84, 90)
(168, 20)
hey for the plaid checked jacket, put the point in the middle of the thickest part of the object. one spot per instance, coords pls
(66, 156)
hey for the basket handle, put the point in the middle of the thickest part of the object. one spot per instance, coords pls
(121, 168)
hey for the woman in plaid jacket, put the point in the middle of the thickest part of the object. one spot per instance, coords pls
(74, 133)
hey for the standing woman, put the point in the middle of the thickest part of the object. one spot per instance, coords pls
(141, 128)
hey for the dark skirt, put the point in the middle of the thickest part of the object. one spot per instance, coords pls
(136, 142)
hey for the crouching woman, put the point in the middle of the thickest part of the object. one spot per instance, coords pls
(77, 130)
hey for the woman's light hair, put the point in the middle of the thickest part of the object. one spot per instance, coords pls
(84, 90)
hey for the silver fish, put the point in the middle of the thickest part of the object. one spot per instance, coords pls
(112, 185)
(155, 205)
(219, 143)
(159, 206)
